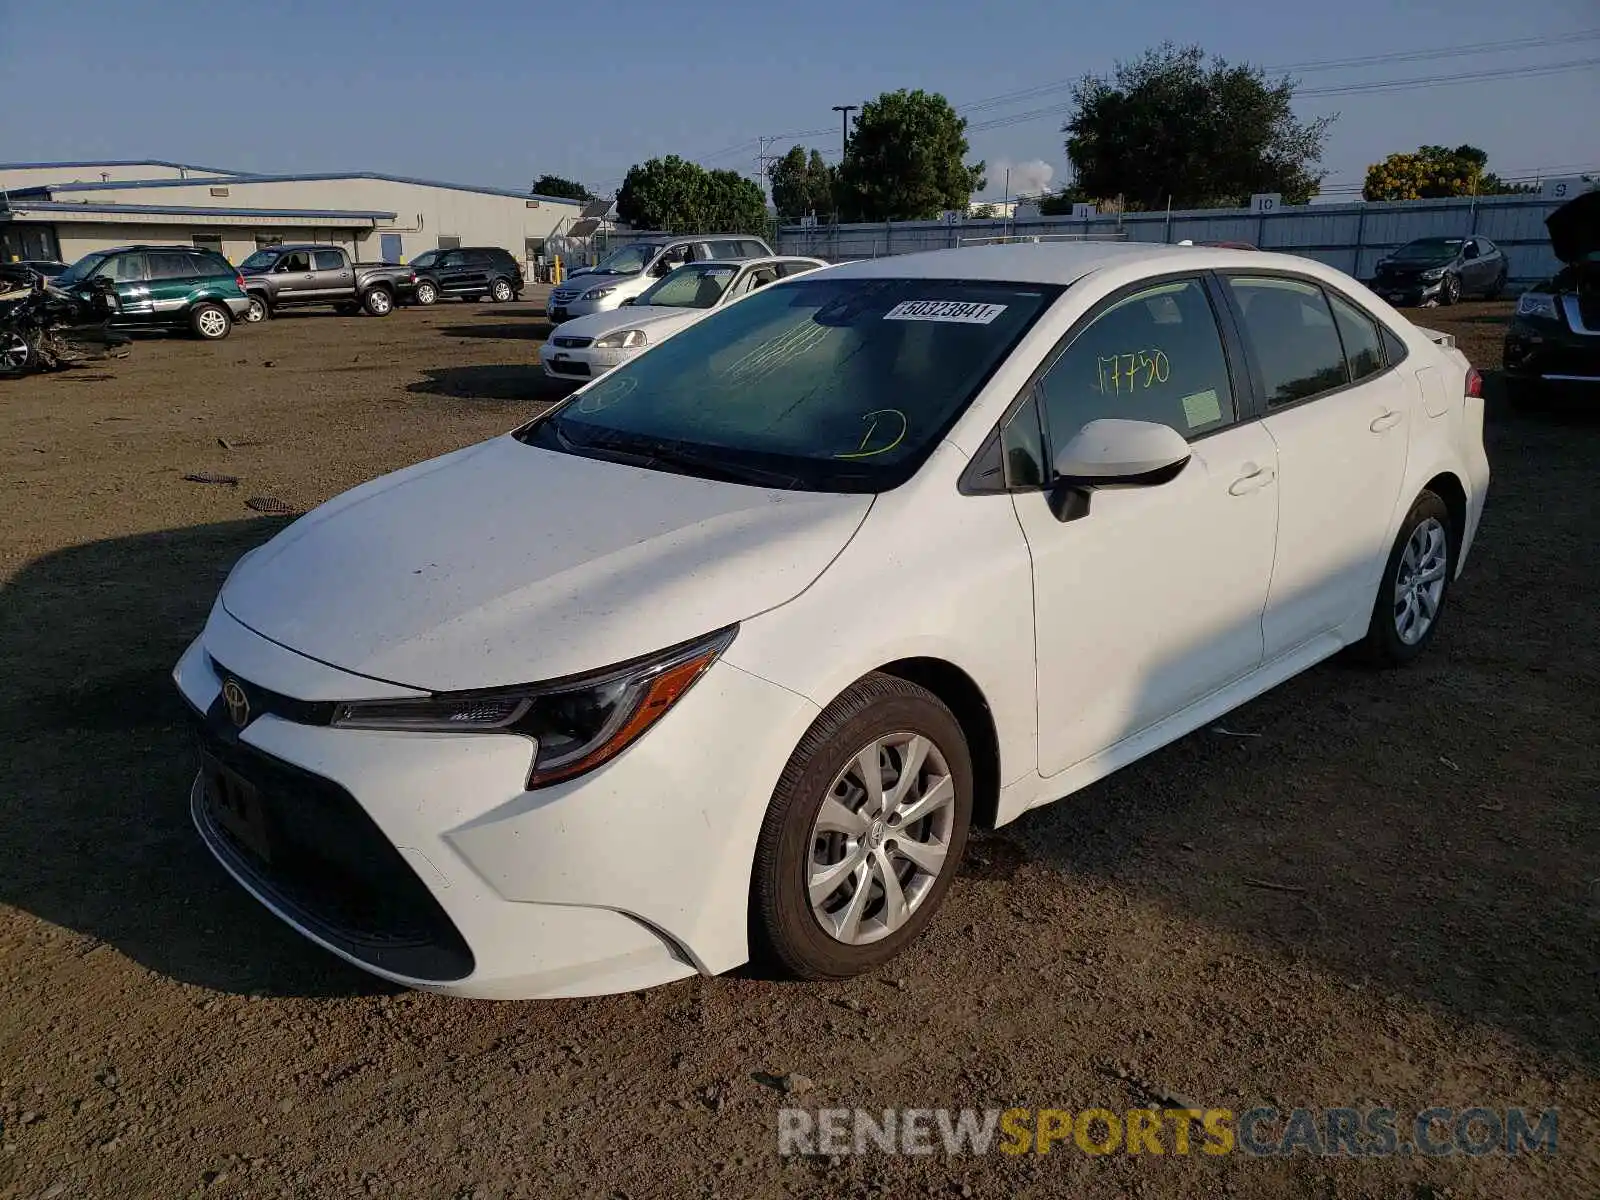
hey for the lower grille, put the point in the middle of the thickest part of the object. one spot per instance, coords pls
(326, 864)
(578, 369)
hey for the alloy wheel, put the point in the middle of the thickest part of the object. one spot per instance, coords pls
(14, 352)
(212, 322)
(880, 841)
(257, 312)
(502, 291)
(1420, 580)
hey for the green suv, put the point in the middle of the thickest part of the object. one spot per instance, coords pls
(166, 287)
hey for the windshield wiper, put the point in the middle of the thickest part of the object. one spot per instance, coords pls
(712, 466)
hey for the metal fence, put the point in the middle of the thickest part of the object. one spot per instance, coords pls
(1349, 237)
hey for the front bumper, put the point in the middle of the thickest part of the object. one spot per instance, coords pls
(1408, 293)
(1549, 352)
(582, 362)
(577, 306)
(451, 877)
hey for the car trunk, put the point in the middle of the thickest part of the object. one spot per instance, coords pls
(1575, 237)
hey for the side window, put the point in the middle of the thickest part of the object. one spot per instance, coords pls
(794, 268)
(1155, 355)
(729, 249)
(453, 259)
(329, 260)
(1363, 350)
(757, 277)
(172, 266)
(754, 250)
(1292, 337)
(123, 268)
(1394, 350)
(295, 260)
(1022, 447)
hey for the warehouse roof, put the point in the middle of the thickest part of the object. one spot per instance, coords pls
(325, 176)
(113, 162)
(71, 208)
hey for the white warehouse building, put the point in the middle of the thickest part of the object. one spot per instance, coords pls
(65, 210)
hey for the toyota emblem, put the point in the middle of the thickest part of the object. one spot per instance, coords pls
(238, 703)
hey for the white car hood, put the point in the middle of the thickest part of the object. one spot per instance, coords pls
(503, 563)
(638, 316)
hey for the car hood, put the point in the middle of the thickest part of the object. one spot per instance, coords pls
(503, 563)
(1575, 227)
(637, 316)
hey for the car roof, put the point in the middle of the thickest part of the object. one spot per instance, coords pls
(1059, 262)
(741, 263)
(141, 246)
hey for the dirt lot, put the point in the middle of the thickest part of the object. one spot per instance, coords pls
(1428, 932)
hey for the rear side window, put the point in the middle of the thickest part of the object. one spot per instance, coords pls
(1292, 337)
(755, 250)
(215, 264)
(328, 260)
(1363, 349)
(173, 266)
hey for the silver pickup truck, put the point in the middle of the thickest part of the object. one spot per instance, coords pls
(276, 276)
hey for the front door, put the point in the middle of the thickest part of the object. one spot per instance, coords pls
(1340, 419)
(127, 271)
(1152, 599)
(332, 277)
(454, 272)
(296, 280)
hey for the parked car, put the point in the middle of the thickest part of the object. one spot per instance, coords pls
(630, 269)
(864, 559)
(471, 272)
(280, 276)
(589, 346)
(48, 267)
(166, 287)
(1554, 336)
(1441, 270)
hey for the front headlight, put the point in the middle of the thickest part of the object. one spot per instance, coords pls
(1431, 276)
(622, 339)
(1537, 304)
(599, 293)
(576, 724)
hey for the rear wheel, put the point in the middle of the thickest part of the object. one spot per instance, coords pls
(1415, 585)
(500, 291)
(258, 311)
(427, 293)
(377, 301)
(210, 321)
(864, 833)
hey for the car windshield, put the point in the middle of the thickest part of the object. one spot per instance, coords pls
(1425, 250)
(83, 269)
(700, 286)
(261, 260)
(626, 260)
(842, 385)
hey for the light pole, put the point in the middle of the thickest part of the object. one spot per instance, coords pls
(844, 111)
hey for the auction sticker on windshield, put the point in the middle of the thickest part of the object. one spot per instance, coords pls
(962, 312)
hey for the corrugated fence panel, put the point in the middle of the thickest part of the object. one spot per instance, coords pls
(1350, 237)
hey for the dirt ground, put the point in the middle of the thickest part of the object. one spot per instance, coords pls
(1386, 893)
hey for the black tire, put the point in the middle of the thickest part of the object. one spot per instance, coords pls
(784, 930)
(204, 322)
(1498, 286)
(377, 301)
(500, 291)
(427, 293)
(1450, 290)
(1384, 645)
(260, 310)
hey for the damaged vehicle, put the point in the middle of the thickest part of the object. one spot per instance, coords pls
(1441, 270)
(1554, 337)
(45, 328)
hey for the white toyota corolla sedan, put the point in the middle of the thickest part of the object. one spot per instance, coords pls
(725, 654)
(586, 347)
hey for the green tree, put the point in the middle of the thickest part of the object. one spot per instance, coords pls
(679, 196)
(1059, 204)
(1169, 125)
(1436, 171)
(982, 212)
(801, 183)
(906, 160)
(563, 189)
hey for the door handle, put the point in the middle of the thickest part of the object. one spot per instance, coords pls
(1252, 482)
(1387, 421)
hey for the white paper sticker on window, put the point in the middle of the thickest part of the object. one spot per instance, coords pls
(1202, 408)
(959, 312)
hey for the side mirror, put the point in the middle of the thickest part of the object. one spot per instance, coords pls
(1112, 452)
(629, 301)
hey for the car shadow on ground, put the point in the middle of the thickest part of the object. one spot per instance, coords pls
(532, 331)
(519, 383)
(99, 759)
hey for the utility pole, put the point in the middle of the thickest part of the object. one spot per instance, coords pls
(763, 158)
(844, 111)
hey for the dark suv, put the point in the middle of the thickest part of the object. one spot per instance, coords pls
(166, 287)
(471, 272)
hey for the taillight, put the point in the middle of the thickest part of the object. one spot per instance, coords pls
(1474, 382)
(413, 277)
(239, 279)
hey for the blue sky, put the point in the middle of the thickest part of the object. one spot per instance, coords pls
(486, 91)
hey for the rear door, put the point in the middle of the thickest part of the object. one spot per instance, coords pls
(174, 277)
(1341, 420)
(332, 277)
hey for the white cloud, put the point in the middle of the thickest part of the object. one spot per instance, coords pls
(1027, 178)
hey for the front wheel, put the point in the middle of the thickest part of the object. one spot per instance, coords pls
(258, 311)
(427, 293)
(211, 322)
(500, 291)
(1415, 585)
(1450, 290)
(377, 302)
(16, 356)
(864, 832)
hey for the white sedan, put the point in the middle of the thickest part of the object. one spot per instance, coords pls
(589, 346)
(726, 653)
